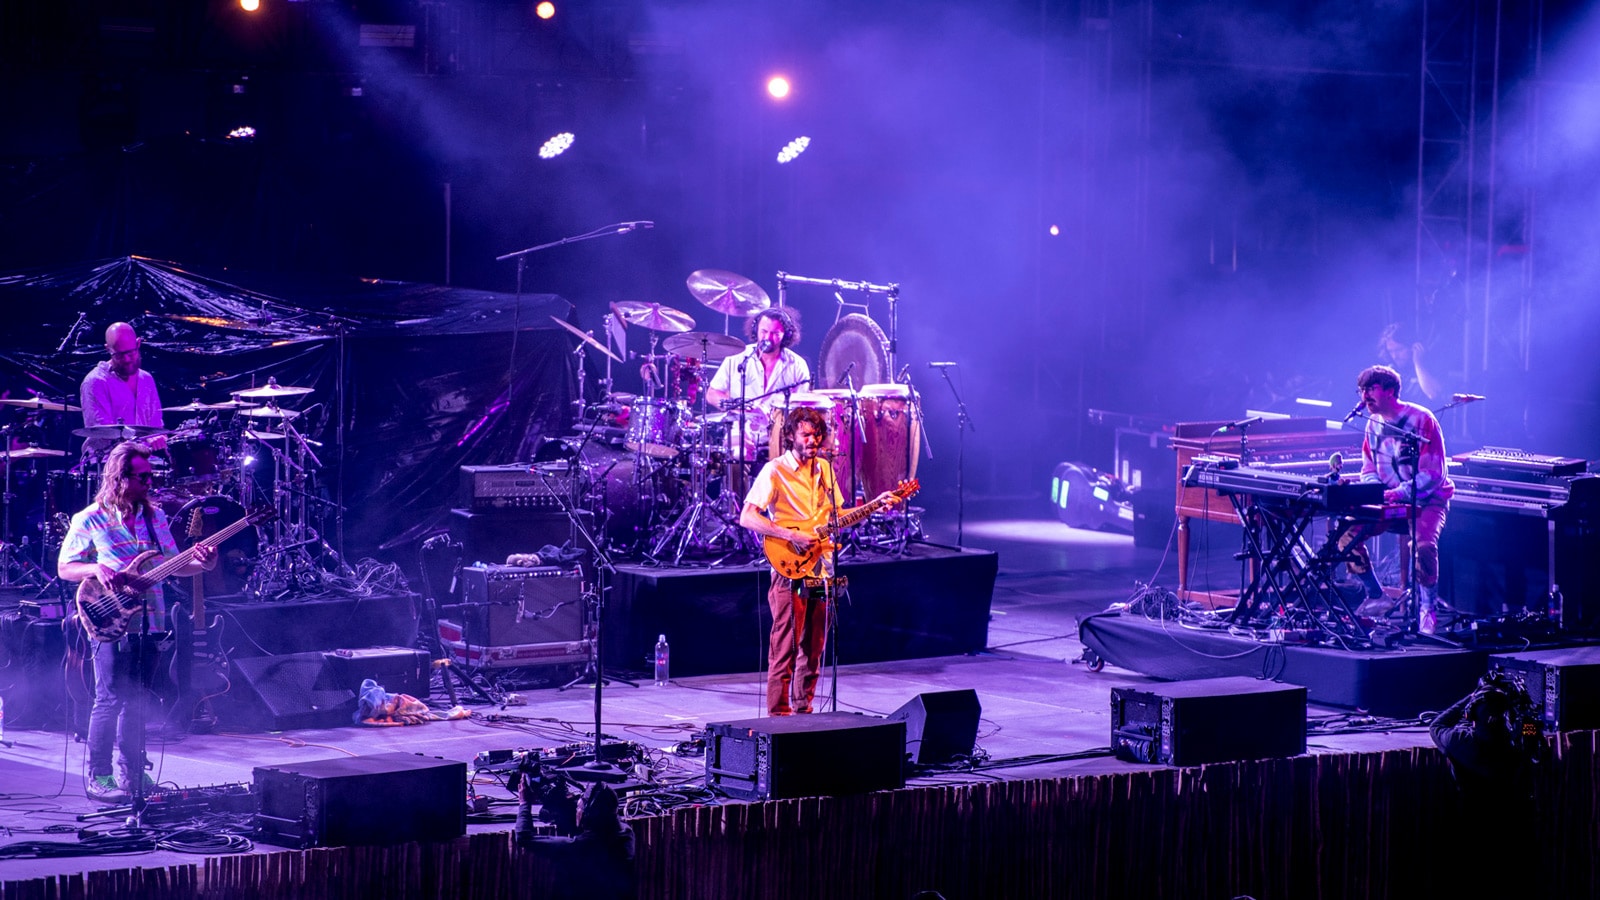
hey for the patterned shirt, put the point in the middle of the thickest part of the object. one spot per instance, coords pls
(99, 535)
(1382, 447)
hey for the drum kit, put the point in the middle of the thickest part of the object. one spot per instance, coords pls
(220, 461)
(666, 473)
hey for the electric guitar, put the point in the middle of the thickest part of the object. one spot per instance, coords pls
(792, 562)
(105, 612)
(200, 669)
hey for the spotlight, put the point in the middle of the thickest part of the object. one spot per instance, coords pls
(242, 133)
(778, 87)
(1055, 230)
(793, 149)
(249, 5)
(556, 145)
(545, 10)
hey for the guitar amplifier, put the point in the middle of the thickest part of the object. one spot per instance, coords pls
(515, 486)
(513, 605)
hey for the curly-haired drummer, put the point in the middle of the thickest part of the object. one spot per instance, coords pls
(766, 369)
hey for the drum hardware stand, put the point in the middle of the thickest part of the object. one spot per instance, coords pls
(292, 568)
(963, 424)
(13, 556)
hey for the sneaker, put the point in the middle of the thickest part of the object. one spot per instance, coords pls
(124, 780)
(1428, 622)
(103, 789)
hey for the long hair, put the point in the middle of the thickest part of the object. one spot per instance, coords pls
(114, 479)
(785, 316)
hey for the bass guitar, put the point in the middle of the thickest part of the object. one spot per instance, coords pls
(200, 668)
(792, 562)
(105, 612)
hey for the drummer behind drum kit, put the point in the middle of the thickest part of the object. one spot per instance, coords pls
(223, 459)
(667, 475)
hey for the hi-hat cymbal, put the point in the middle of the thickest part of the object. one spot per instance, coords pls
(40, 403)
(727, 292)
(653, 316)
(586, 338)
(118, 432)
(269, 412)
(31, 453)
(706, 346)
(271, 391)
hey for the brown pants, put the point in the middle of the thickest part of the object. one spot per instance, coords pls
(799, 636)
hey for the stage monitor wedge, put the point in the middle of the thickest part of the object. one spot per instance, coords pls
(941, 726)
(1208, 720)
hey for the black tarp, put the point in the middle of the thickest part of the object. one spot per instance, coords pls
(428, 378)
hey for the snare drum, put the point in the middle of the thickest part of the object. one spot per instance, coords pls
(654, 426)
(802, 400)
(893, 437)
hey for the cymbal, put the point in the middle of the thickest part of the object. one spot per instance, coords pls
(233, 404)
(273, 389)
(193, 406)
(255, 435)
(269, 412)
(41, 404)
(31, 453)
(653, 316)
(585, 337)
(118, 432)
(703, 344)
(727, 293)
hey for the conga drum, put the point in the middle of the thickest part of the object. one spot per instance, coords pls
(846, 439)
(800, 400)
(893, 439)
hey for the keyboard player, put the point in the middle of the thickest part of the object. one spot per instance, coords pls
(1383, 460)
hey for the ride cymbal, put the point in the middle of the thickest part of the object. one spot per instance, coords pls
(585, 337)
(704, 345)
(271, 391)
(39, 403)
(727, 292)
(269, 412)
(31, 453)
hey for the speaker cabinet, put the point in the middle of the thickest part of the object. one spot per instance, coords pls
(384, 798)
(398, 670)
(1208, 720)
(1563, 684)
(489, 537)
(286, 692)
(813, 755)
(940, 725)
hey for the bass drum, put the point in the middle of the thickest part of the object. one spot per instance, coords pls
(629, 498)
(237, 559)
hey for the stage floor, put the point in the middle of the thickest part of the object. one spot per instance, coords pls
(1038, 704)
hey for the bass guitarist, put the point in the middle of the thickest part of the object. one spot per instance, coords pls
(789, 500)
(103, 541)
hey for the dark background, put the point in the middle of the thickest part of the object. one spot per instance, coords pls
(1176, 210)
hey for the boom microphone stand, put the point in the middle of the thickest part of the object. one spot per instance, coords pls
(963, 422)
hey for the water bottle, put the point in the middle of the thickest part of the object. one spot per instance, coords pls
(663, 660)
(2, 719)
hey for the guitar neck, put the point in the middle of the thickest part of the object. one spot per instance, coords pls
(162, 572)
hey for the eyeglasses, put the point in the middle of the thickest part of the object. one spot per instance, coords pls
(116, 354)
(142, 476)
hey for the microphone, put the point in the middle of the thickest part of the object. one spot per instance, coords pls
(1467, 398)
(905, 374)
(1360, 405)
(1242, 423)
(845, 378)
(766, 345)
(623, 227)
(1335, 463)
(941, 365)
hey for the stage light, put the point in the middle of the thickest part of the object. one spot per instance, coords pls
(556, 145)
(1055, 230)
(793, 149)
(778, 87)
(242, 133)
(545, 10)
(249, 5)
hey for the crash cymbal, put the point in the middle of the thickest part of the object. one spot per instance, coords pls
(234, 404)
(271, 391)
(255, 435)
(728, 293)
(269, 412)
(703, 345)
(586, 338)
(118, 432)
(653, 316)
(40, 403)
(31, 453)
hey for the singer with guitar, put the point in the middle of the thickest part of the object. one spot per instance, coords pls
(101, 548)
(789, 505)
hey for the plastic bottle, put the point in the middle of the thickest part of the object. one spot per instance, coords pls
(663, 660)
(2, 719)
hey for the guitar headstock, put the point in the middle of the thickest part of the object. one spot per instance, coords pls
(905, 489)
(197, 523)
(262, 513)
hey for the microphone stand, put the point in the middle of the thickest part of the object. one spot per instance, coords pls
(829, 585)
(963, 422)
